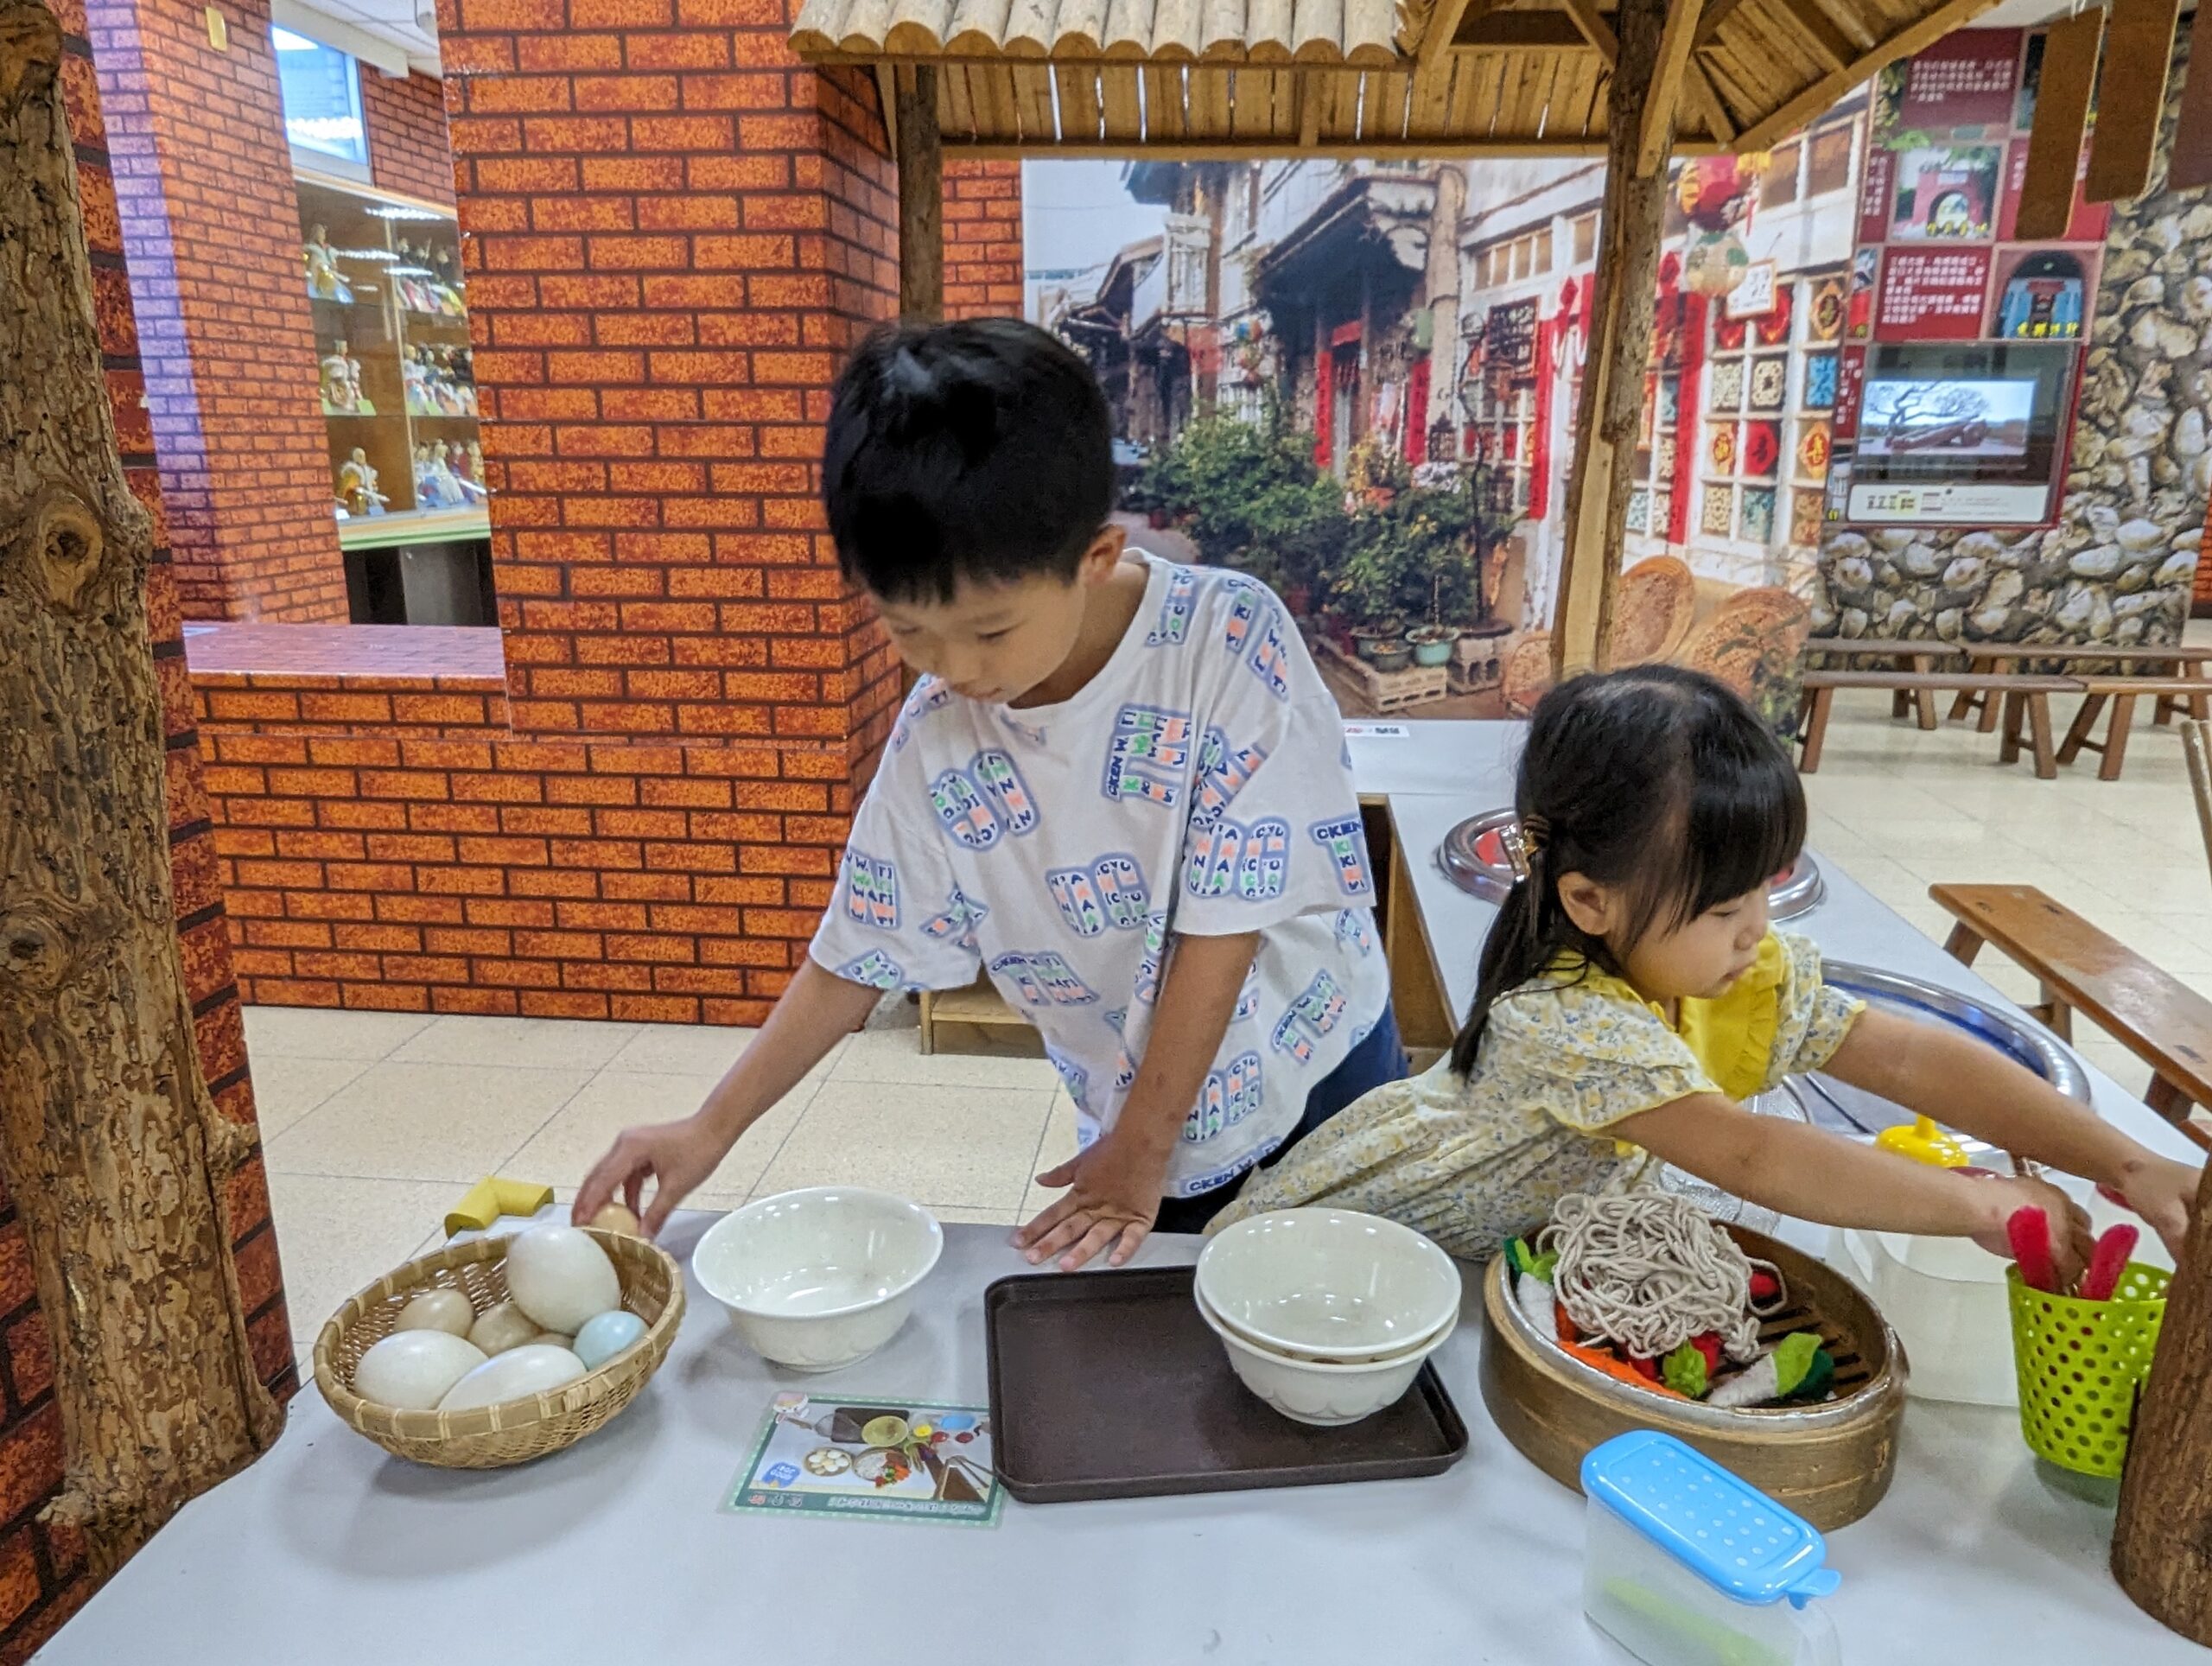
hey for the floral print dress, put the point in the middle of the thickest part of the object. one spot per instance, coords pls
(1474, 1161)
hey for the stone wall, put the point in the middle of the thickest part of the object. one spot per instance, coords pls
(2119, 566)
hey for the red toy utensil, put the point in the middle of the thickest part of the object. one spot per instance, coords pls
(2028, 1228)
(2107, 1262)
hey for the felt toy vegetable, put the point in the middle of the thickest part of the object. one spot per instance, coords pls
(1600, 1360)
(1686, 1371)
(2028, 1228)
(1781, 1374)
(1765, 1286)
(1533, 1295)
(2107, 1262)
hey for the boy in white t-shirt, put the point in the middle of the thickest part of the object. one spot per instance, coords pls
(1120, 787)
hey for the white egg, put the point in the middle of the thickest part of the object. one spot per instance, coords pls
(500, 1328)
(413, 1369)
(606, 1335)
(560, 1277)
(437, 1310)
(530, 1368)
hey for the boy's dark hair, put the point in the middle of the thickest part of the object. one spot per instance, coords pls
(1656, 778)
(981, 450)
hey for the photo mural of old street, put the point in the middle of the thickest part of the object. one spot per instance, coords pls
(1870, 410)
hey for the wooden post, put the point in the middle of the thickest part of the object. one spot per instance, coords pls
(921, 197)
(1653, 59)
(2162, 1543)
(111, 1147)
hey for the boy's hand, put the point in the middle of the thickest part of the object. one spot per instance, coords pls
(1113, 1199)
(675, 1155)
(2163, 1193)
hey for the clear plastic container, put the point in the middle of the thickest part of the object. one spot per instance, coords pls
(1945, 1299)
(1688, 1565)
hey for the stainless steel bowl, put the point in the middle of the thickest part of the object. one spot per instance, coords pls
(1473, 858)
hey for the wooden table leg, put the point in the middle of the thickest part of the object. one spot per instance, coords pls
(1989, 701)
(1816, 728)
(1962, 703)
(2123, 720)
(1924, 699)
(2078, 731)
(2008, 748)
(2056, 1016)
(2038, 706)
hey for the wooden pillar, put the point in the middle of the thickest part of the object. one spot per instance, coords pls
(111, 1148)
(1654, 58)
(2162, 1543)
(921, 196)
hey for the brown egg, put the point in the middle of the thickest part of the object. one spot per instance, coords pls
(615, 1218)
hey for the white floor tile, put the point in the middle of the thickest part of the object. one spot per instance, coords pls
(893, 1056)
(321, 1032)
(418, 1121)
(286, 1088)
(1055, 1148)
(337, 1235)
(963, 1147)
(538, 1043)
(682, 1049)
(562, 1152)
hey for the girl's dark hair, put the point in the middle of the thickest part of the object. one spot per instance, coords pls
(1656, 779)
(981, 450)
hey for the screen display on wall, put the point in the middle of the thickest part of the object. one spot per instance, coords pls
(1955, 432)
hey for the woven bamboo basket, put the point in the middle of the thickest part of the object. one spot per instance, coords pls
(1831, 1462)
(1653, 610)
(513, 1431)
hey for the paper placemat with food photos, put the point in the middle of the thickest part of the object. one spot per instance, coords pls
(885, 1458)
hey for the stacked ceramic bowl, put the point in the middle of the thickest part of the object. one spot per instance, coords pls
(1326, 1315)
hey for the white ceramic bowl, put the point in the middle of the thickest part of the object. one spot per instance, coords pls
(1328, 1284)
(1384, 1357)
(816, 1280)
(1324, 1393)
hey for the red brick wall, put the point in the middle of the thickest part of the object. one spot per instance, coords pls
(982, 240)
(42, 1580)
(211, 226)
(386, 841)
(674, 230)
(409, 151)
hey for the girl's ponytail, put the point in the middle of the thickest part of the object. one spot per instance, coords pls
(1518, 948)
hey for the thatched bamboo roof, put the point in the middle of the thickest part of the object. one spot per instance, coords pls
(1375, 77)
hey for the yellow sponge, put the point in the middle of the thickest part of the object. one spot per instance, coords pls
(491, 1197)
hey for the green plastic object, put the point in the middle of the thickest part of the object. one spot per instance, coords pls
(1698, 1634)
(2080, 1363)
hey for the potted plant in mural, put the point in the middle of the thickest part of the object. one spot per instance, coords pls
(1248, 496)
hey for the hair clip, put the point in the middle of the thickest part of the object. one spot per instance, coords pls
(1536, 833)
(1516, 850)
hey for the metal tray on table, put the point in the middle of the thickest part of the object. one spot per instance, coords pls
(1109, 1385)
(1473, 858)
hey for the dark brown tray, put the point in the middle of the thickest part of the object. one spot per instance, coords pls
(1109, 1385)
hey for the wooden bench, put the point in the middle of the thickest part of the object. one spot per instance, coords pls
(2027, 705)
(1896, 655)
(2157, 1017)
(2185, 665)
(2123, 692)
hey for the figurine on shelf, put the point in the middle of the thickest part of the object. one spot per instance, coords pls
(463, 474)
(357, 486)
(446, 263)
(324, 282)
(342, 385)
(475, 470)
(435, 487)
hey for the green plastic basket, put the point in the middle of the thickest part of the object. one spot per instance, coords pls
(2079, 1364)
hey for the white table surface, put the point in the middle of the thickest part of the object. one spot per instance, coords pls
(616, 1551)
(327, 1550)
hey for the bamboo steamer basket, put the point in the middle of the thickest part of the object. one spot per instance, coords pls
(1831, 1463)
(512, 1431)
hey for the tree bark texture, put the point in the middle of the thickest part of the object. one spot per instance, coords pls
(109, 1144)
(2162, 1543)
(1611, 409)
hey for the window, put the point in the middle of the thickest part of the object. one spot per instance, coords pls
(1831, 163)
(1521, 258)
(322, 88)
(1778, 181)
(1586, 239)
(1543, 259)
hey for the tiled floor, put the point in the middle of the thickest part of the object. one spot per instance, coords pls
(375, 1123)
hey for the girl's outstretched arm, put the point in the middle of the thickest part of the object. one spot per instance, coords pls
(1818, 1176)
(1934, 1070)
